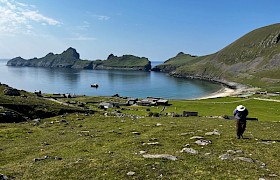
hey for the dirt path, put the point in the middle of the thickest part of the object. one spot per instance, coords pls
(59, 102)
(264, 99)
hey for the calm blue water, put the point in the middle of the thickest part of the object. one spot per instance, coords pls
(125, 83)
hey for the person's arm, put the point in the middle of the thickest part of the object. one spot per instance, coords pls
(247, 112)
(234, 112)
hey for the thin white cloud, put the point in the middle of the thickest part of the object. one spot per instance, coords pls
(84, 27)
(102, 18)
(36, 16)
(81, 37)
(17, 18)
(98, 16)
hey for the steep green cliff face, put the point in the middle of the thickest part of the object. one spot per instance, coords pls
(68, 59)
(253, 59)
(128, 62)
(173, 63)
(71, 59)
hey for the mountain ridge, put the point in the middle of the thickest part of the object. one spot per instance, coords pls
(253, 59)
(70, 58)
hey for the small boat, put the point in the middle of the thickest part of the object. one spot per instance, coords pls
(94, 85)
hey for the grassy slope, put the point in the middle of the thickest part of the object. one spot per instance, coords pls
(32, 106)
(100, 147)
(180, 59)
(126, 61)
(233, 62)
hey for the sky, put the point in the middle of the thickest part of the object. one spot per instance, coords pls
(156, 29)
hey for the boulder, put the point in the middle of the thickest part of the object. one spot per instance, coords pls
(189, 150)
(161, 156)
(11, 92)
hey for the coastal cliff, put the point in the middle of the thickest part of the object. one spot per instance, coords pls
(71, 59)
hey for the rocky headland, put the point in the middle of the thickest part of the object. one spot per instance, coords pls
(71, 59)
(253, 60)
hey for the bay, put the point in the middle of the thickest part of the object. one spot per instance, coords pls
(125, 83)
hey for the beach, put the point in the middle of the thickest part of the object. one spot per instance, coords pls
(226, 91)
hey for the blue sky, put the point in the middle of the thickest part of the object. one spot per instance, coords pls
(156, 29)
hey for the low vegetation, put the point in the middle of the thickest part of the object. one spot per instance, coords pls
(111, 143)
(252, 59)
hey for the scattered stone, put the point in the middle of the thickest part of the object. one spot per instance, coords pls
(197, 137)
(267, 143)
(3, 177)
(272, 175)
(84, 133)
(203, 142)
(160, 156)
(185, 134)
(234, 151)
(244, 159)
(158, 124)
(130, 173)
(262, 165)
(142, 152)
(187, 145)
(63, 121)
(57, 158)
(189, 150)
(37, 159)
(225, 156)
(137, 133)
(79, 160)
(45, 144)
(47, 157)
(215, 132)
(36, 122)
(207, 154)
(152, 143)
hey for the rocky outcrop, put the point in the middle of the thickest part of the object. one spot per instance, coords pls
(11, 92)
(71, 59)
(10, 116)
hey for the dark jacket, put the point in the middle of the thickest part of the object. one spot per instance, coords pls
(241, 115)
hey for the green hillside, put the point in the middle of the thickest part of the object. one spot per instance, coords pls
(254, 59)
(124, 62)
(171, 64)
(117, 143)
(71, 59)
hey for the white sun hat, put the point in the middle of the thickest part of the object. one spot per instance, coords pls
(240, 108)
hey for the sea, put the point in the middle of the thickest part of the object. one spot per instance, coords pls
(136, 84)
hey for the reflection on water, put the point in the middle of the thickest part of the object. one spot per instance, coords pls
(126, 83)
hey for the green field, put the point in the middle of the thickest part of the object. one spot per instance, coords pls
(110, 144)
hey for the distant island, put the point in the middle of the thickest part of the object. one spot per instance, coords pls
(71, 59)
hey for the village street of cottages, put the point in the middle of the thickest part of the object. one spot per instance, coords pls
(83, 137)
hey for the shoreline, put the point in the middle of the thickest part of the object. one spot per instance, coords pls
(223, 92)
(228, 88)
(226, 91)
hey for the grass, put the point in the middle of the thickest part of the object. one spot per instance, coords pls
(126, 61)
(251, 59)
(31, 106)
(98, 146)
(110, 150)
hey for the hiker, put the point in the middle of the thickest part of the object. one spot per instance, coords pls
(240, 113)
